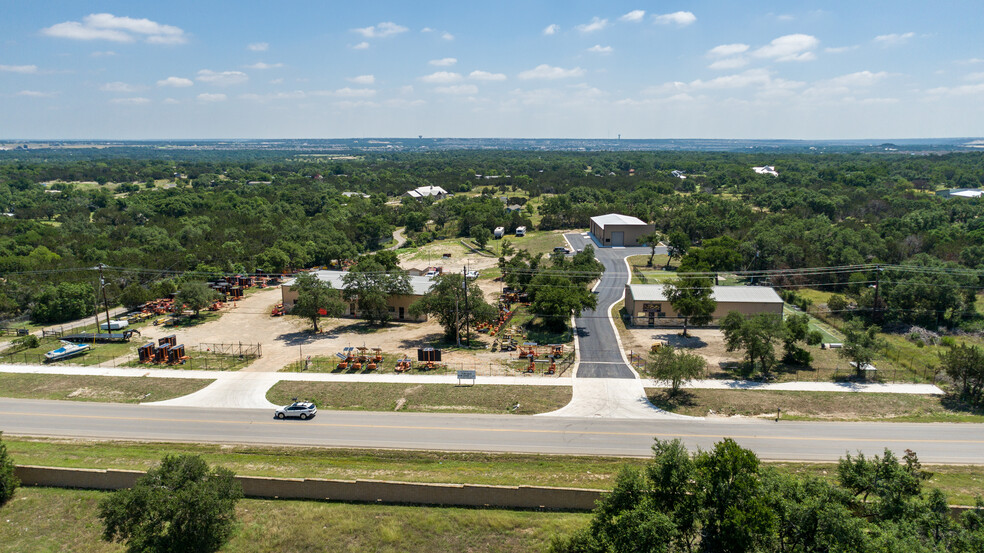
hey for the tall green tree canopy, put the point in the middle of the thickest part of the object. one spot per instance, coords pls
(315, 299)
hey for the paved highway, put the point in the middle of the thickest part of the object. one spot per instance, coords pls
(935, 443)
(600, 355)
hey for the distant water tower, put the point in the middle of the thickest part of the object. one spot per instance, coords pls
(420, 137)
(619, 137)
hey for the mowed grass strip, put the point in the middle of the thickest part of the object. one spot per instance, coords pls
(47, 519)
(425, 398)
(961, 483)
(827, 406)
(505, 469)
(113, 389)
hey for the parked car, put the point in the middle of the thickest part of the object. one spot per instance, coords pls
(299, 409)
(471, 275)
(562, 249)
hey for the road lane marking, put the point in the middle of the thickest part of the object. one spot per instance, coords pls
(508, 430)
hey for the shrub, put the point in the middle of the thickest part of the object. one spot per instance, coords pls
(814, 338)
(8, 481)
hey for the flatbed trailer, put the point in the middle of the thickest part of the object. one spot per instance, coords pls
(101, 337)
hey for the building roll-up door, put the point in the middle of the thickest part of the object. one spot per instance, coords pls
(618, 239)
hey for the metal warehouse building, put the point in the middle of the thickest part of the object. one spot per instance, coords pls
(614, 230)
(647, 305)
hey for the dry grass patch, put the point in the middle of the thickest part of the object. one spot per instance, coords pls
(114, 389)
(829, 406)
(46, 519)
(428, 398)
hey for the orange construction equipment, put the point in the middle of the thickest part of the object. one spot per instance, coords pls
(346, 358)
(556, 350)
(377, 355)
(531, 368)
(403, 365)
(527, 350)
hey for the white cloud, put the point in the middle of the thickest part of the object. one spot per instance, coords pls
(457, 89)
(447, 36)
(118, 86)
(222, 78)
(106, 26)
(725, 50)
(361, 46)
(963, 90)
(138, 101)
(544, 71)
(277, 81)
(258, 47)
(486, 76)
(355, 92)
(103, 54)
(37, 94)
(551, 29)
(441, 77)
(894, 39)
(729, 63)
(599, 49)
(596, 24)
(384, 29)
(401, 103)
(177, 82)
(406, 89)
(362, 79)
(633, 16)
(681, 19)
(974, 77)
(796, 47)
(444, 62)
(427, 30)
(170, 101)
(860, 78)
(295, 95)
(839, 49)
(261, 65)
(206, 97)
(19, 68)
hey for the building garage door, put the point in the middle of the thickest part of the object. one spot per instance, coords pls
(618, 239)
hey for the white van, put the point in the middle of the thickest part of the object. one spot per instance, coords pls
(520, 231)
(499, 232)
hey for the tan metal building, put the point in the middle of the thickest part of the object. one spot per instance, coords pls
(647, 305)
(398, 305)
(614, 230)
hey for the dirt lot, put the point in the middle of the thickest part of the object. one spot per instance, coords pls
(288, 339)
(708, 342)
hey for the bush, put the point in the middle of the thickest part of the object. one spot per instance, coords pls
(27, 342)
(814, 338)
(180, 505)
(836, 304)
(8, 481)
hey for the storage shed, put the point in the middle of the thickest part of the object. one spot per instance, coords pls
(614, 230)
(647, 304)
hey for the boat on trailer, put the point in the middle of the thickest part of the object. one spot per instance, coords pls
(67, 350)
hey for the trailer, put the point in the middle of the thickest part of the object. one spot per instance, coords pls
(90, 337)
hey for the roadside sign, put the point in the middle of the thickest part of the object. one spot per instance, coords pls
(466, 375)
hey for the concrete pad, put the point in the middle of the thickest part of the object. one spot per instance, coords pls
(616, 398)
(234, 390)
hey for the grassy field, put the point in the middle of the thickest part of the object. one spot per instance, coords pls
(534, 330)
(46, 519)
(828, 406)
(961, 483)
(429, 398)
(97, 388)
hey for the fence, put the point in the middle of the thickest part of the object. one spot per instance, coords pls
(241, 350)
(388, 365)
(372, 491)
(208, 361)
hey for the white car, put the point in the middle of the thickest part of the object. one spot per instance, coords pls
(299, 409)
(471, 275)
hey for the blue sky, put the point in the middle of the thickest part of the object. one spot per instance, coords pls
(705, 69)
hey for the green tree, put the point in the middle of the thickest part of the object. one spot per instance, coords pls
(756, 335)
(315, 299)
(134, 295)
(691, 298)
(8, 480)
(195, 295)
(795, 329)
(860, 345)
(677, 246)
(652, 240)
(506, 249)
(555, 298)
(65, 302)
(965, 365)
(180, 505)
(678, 367)
(372, 286)
(481, 236)
(446, 301)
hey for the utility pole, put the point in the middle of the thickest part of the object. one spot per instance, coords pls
(464, 282)
(457, 321)
(102, 283)
(877, 314)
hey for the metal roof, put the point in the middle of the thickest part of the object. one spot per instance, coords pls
(419, 284)
(617, 219)
(724, 294)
